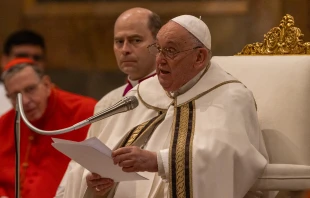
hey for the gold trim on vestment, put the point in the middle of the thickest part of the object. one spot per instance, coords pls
(209, 90)
(180, 149)
(180, 158)
(144, 130)
(134, 133)
(191, 149)
(147, 105)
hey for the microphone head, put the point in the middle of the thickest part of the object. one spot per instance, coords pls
(131, 102)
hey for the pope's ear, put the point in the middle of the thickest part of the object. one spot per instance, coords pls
(202, 57)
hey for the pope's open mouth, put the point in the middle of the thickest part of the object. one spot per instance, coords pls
(164, 72)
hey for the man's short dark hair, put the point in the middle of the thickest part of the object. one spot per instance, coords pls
(23, 37)
(154, 24)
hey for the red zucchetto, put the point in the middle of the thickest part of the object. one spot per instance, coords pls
(17, 61)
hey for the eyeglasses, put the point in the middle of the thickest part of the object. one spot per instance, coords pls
(29, 91)
(35, 57)
(168, 52)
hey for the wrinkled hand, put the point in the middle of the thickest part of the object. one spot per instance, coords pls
(134, 159)
(99, 185)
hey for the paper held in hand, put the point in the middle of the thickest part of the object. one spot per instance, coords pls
(95, 156)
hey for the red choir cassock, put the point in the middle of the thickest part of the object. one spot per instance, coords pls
(42, 166)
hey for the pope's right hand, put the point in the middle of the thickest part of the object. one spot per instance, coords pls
(99, 185)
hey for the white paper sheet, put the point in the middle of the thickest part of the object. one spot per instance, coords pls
(95, 156)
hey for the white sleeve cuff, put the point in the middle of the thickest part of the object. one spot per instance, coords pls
(163, 164)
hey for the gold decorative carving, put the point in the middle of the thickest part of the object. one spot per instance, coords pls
(285, 39)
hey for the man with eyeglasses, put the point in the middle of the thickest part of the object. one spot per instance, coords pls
(47, 108)
(195, 132)
(21, 44)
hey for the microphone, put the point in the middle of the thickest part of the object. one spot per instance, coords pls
(126, 104)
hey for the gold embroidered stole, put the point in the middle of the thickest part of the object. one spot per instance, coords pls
(140, 134)
(181, 152)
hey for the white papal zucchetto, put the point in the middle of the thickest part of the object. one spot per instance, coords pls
(195, 26)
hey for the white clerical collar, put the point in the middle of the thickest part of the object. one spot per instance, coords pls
(189, 84)
(135, 82)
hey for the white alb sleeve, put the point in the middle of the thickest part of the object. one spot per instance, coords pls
(163, 164)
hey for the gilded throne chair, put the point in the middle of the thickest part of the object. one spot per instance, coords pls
(277, 71)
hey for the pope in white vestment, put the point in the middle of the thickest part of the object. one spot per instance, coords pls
(206, 135)
(222, 149)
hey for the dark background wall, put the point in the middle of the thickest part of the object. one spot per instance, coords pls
(79, 34)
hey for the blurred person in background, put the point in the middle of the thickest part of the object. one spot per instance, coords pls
(21, 44)
(25, 44)
(134, 30)
(47, 108)
(31, 45)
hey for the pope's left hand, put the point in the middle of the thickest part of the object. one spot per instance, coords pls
(134, 159)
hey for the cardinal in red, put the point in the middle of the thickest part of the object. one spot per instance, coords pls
(47, 108)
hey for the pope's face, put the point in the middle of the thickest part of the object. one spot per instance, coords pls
(35, 91)
(131, 38)
(174, 71)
